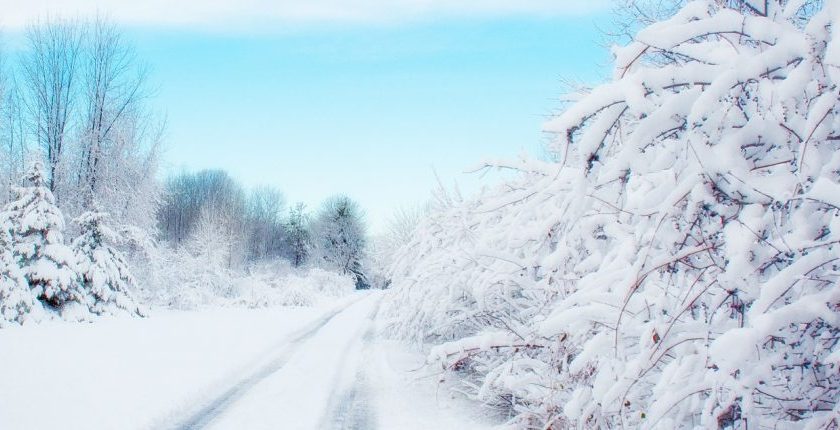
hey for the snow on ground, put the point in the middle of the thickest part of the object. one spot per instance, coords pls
(277, 367)
(342, 377)
(298, 394)
(128, 373)
(409, 396)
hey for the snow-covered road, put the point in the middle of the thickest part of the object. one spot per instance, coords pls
(288, 368)
(207, 413)
(294, 391)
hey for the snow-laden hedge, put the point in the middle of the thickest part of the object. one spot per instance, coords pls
(678, 266)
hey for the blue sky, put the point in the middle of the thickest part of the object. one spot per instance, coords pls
(368, 106)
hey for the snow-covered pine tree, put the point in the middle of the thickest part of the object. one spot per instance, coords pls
(48, 265)
(17, 304)
(677, 266)
(103, 269)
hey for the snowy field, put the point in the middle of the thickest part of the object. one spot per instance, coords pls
(281, 367)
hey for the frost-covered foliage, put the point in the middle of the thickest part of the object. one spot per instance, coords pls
(184, 281)
(678, 265)
(205, 272)
(298, 236)
(17, 304)
(381, 249)
(38, 270)
(48, 264)
(339, 238)
(103, 269)
(198, 273)
(310, 287)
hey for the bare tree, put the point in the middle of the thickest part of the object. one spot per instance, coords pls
(211, 194)
(12, 133)
(264, 208)
(113, 84)
(49, 73)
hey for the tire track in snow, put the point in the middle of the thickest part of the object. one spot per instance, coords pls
(353, 409)
(217, 406)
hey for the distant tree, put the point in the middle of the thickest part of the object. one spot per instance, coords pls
(37, 227)
(50, 68)
(265, 228)
(211, 194)
(12, 136)
(401, 226)
(340, 237)
(103, 269)
(209, 255)
(400, 229)
(298, 235)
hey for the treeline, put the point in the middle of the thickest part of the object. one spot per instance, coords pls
(254, 226)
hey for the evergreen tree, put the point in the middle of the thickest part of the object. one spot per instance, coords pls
(103, 269)
(340, 238)
(298, 235)
(17, 304)
(38, 243)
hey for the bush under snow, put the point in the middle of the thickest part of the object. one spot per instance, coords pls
(678, 265)
(181, 280)
(310, 287)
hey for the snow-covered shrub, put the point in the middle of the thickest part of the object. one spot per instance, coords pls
(310, 287)
(328, 284)
(104, 271)
(382, 248)
(678, 265)
(182, 280)
(48, 264)
(195, 274)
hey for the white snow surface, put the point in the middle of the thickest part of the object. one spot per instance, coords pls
(129, 372)
(327, 370)
(343, 378)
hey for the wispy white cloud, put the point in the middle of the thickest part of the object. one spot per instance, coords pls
(237, 13)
